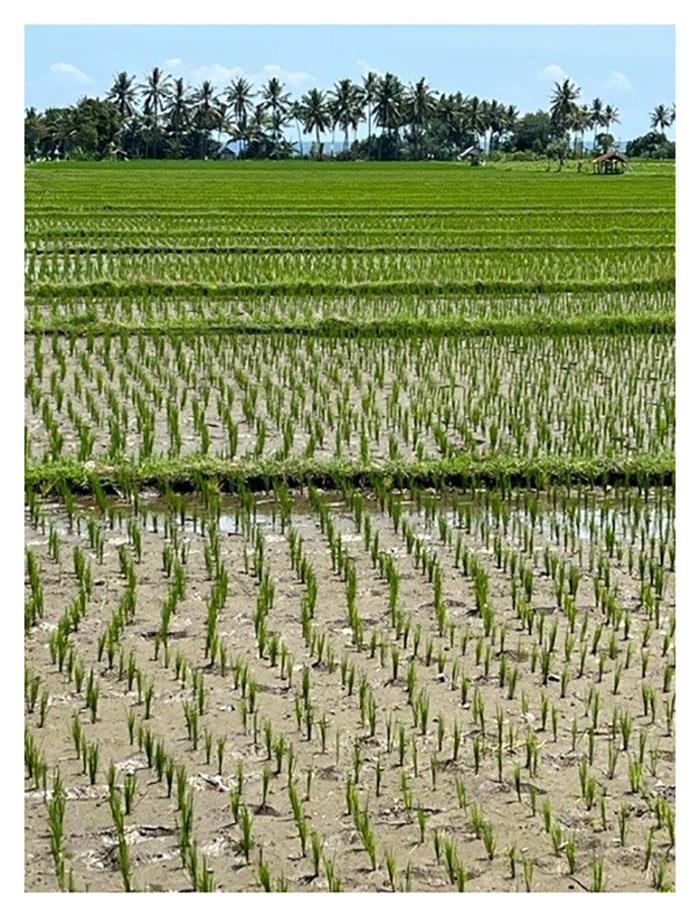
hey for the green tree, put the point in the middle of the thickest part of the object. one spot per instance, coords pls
(34, 132)
(661, 118)
(370, 84)
(277, 103)
(651, 146)
(316, 115)
(610, 116)
(179, 115)
(475, 116)
(123, 94)
(156, 92)
(207, 117)
(346, 107)
(532, 132)
(604, 141)
(389, 111)
(419, 108)
(239, 96)
(563, 106)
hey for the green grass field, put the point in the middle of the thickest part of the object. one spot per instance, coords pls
(349, 528)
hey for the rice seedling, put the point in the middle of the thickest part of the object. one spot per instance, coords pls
(489, 840)
(264, 876)
(598, 878)
(333, 880)
(56, 807)
(390, 862)
(517, 782)
(316, 852)
(245, 823)
(533, 799)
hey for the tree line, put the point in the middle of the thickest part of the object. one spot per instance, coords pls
(378, 118)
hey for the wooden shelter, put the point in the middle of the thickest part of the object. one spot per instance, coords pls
(612, 163)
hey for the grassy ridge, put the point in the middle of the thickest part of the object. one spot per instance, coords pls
(185, 474)
(267, 248)
(526, 325)
(107, 288)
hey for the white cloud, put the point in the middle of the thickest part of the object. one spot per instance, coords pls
(219, 74)
(292, 77)
(617, 80)
(553, 72)
(173, 62)
(216, 73)
(366, 68)
(74, 73)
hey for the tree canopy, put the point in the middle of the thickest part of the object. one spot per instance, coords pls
(163, 118)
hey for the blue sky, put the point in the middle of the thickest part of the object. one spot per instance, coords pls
(629, 66)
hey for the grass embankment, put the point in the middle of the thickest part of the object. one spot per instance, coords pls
(110, 289)
(528, 325)
(185, 474)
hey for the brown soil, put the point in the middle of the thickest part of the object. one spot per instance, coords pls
(90, 839)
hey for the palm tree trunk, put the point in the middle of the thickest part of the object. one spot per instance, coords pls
(369, 126)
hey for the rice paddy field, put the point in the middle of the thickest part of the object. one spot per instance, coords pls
(349, 528)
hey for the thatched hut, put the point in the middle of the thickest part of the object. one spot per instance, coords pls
(612, 163)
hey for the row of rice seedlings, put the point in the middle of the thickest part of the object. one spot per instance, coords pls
(354, 315)
(385, 408)
(551, 269)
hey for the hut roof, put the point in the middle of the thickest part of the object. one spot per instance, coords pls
(612, 156)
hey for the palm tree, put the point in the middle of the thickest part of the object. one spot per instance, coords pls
(370, 83)
(597, 109)
(563, 105)
(276, 101)
(485, 111)
(449, 115)
(59, 128)
(610, 116)
(156, 92)
(256, 130)
(206, 105)
(496, 122)
(207, 115)
(419, 107)
(123, 94)
(296, 113)
(474, 117)
(661, 118)
(239, 96)
(510, 119)
(579, 122)
(316, 115)
(178, 110)
(389, 106)
(346, 102)
(587, 122)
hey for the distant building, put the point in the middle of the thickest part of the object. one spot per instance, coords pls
(226, 151)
